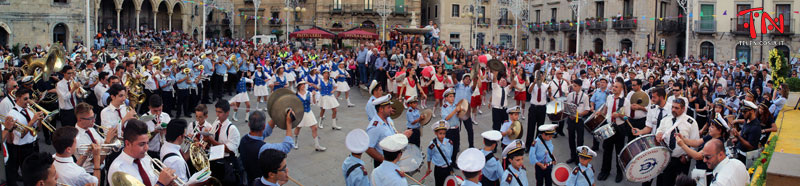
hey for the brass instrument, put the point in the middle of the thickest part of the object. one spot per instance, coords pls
(21, 128)
(49, 116)
(42, 67)
(81, 93)
(235, 64)
(158, 164)
(156, 62)
(105, 149)
(198, 155)
(135, 87)
(124, 179)
(186, 71)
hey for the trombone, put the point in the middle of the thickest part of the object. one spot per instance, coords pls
(161, 166)
(48, 116)
(21, 128)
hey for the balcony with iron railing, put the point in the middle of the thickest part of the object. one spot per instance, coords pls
(594, 25)
(567, 27)
(484, 22)
(788, 29)
(275, 22)
(708, 26)
(737, 26)
(671, 25)
(502, 23)
(400, 10)
(534, 27)
(625, 24)
(551, 27)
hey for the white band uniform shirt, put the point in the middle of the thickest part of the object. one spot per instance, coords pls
(612, 104)
(730, 172)
(637, 114)
(66, 100)
(539, 93)
(23, 116)
(580, 99)
(70, 173)
(559, 87)
(157, 139)
(111, 116)
(127, 164)
(177, 162)
(230, 138)
(498, 94)
(653, 118)
(84, 139)
(684, 124)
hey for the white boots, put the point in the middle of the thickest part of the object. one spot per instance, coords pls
(319, 124)
(317, 146)
(350, 104)
(334, 126)
(295, 142)
(233, 117)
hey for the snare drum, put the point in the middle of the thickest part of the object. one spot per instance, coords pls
(643, 159)
(560, 174)
(604, 132)
(411, 161)
(555, 109)
(594, 121)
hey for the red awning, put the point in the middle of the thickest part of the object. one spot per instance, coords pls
(311, 33)
(357, 34)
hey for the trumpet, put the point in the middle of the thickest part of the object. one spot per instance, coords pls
(161, 166)
(21, 128)
(48, 116)
(105, 149)
(77, 85)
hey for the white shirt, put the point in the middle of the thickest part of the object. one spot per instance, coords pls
(6, 104)
(685, 125)
(124, 163)
(230, 138)
(84, 139)
(110, 118)
(652, 116)
(627, 106)
(559, 84)
(70, 173)
(99, 89)
(150, 83)
(17, 114)
(539, 88)
(157, 139)
(65, 98)
(176, 163)
(409, 90)
(580, 99)
(497, 94)
(610, 108)
(730, 172)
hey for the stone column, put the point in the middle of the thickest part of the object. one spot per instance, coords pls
(155, 19)
(169, 15)
(118, 10)
(97, 20)
(137, 20)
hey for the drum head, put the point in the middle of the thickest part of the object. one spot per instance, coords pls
(411, 160)
(560, 174)
(453, 180)
(648, 163)
(604, 132)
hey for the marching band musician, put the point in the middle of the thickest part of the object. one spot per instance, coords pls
(574, 129)
(681, 123)
(717, 129)
(583, 174)
(208, 71)
(515, 173)
(375, 92)
(194, 88)
(101, 87)
(156, 126)
(67, 98)
(440, 152)
(492, 169)
(559, 88)
(353, 168)
(381, 127)
(500, 91)
(66, 145)
(220, 69)
(413, 120)
(449, 113)
(117, 112)
(747, 136)
(8, 101)
(170, 153)
(88, 135)
(538, 108)
(506, 130)
(727, 171)
(614, 116)
(183, 81)
(471, 165)
(464, 91)
(227, 134)
(389, 173)
(637, 112)
(167, 89)
(541, 154)
(134, 159)
(39, 170)
(22, 144)
(152, 83)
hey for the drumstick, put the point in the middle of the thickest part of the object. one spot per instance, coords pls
(293, 180)
(629, 123)
(415, 180)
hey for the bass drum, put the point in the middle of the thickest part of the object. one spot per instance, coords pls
(643, 159)
(411, 161)
(560, 174)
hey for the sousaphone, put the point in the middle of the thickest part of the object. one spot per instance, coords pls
(281, 104)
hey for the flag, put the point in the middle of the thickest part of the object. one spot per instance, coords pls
(660, 19)
(726, 12)
(680, 15)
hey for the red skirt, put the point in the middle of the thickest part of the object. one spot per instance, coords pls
(520, 96)
(438, 94)
(475, 102)
(484, 87)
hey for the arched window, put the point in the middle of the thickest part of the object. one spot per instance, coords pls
(536, 43)
(552, 44)
(60, 33)
(743, 54)
(707, 50)
(598, 45)
(626, 45)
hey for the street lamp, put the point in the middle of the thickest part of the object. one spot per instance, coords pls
(685, 5)
(291, 6)
(256, 4)
(576, 5)
(384, 13)
(516, 9)
(473, 15)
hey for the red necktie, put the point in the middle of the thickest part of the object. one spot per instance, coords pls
(142, 173)
(539, 94)
(156, 80)
(614, 109)
(91, 137)
(218, 129)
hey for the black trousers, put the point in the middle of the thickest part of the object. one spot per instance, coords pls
(217, 85)
(499, 116)
(194, 99)
(147, 94)
(543, 176)
(470, 133)
(182, 103)
(440, 174)
(455, 136)
(536, 115)
(415, 136)
(230, 85)
(617, 141)
(674, 168)
(205, 86)
(68, 117)
(169, 101)
(16, 156)
(487, 182)
(575, 136)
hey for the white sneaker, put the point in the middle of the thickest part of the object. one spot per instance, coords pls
(480, 112)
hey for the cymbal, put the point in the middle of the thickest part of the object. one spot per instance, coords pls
(496, 65)
(516, 130)
(640, 98)
(276, 94)
(123, 179)
(281, 105)
(398, 108)
(426, 116)
(464, 113)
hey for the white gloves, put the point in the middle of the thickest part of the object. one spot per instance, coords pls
(199, 177)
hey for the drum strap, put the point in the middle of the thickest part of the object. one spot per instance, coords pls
(516, 178)
(175, 154)
(441, 153)
(553, 158)
(585, 176)
(351, 169)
